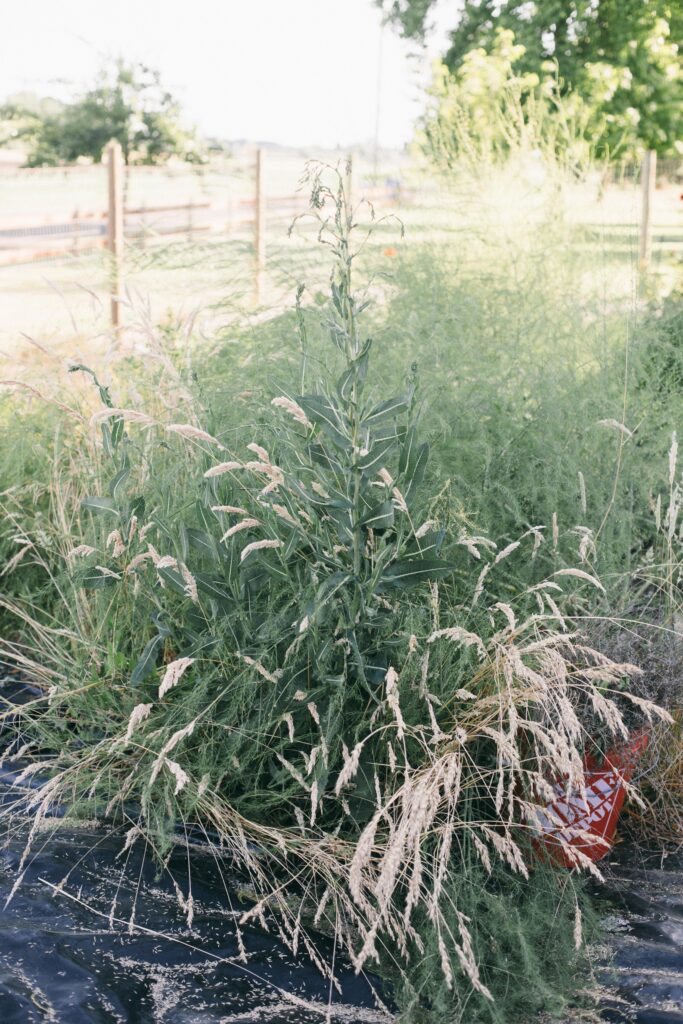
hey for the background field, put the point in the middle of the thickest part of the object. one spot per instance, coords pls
(206, 268)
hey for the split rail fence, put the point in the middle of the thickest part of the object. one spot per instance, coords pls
(145, 225)
(245, 215)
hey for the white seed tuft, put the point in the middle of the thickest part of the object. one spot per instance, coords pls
(174, 672)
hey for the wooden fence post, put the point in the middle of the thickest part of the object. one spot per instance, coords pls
(115, 228)
(190, 221)
(648, 176)
(259, 231)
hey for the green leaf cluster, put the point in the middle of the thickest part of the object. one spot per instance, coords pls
(621, 61)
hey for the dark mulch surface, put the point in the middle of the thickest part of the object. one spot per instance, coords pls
(643, 899)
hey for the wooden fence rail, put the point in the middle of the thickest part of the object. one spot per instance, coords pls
(141, 225)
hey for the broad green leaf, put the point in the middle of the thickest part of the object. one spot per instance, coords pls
(342, 518)
(337, 297)
(320, 455)
(414, 478)
(335, 499)
(430, 543)
(273, 566)
(174, 580)
(162, 627)
(321, 411)
(327, 590)
(356, 373)
(98, 504)
(117, 482)
(379, 518)
(310, 497)
(184, 542)
(338, 335)
(377, 455)
(106, 440)
(93, 579)
(213, 587)
(390, 409)
(137, 507)
(406, 462)
(407, 572)
(117, 429)
(386, 432)
(147, 660)
(205, 516)
(201, 541)
(376, 666)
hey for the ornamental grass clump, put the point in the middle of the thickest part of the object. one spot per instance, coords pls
(334, 688)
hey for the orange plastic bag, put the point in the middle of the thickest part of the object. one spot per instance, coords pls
(589, 824)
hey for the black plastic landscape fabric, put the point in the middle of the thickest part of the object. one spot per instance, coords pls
(643, 971)
(110, 943)
(114, 945)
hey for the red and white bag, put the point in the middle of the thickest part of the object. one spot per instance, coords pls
(588, 822)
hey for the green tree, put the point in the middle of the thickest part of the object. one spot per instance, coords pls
(488, 109)
(128, 103)
(622, 57)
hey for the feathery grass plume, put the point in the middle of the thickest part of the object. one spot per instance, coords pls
(179, 774)
(581, 575)
(171, 744)
(391, 684)
(673, 459)
(272, 677)
(16, 559)
(193, 433)
(294, 410)
(616, 425)
(229, 508)
(223, 467)
(175, 670)
(118, 543)
(284, 513)
(138, 715)
(259, 545)
(257, 449)
(126, 415)
(81, 550)
(106, 571)
(244, 524)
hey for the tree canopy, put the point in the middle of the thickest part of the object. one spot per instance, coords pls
(623, 57)
(127, 102)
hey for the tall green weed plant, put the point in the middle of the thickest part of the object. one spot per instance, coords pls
(292, 644)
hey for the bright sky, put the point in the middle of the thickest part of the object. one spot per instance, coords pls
(297, 72)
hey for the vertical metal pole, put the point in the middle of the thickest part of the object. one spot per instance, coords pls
(115, 228)
(260, 230)
(378, 106)
(648, 177)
